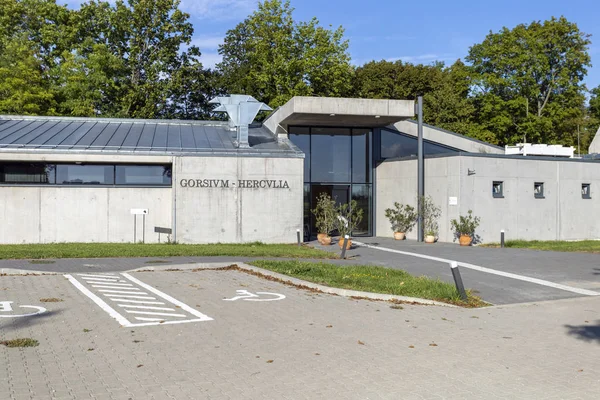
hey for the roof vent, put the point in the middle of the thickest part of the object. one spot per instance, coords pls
(241, 110)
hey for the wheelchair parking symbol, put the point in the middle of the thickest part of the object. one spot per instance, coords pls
(247, 296)
(6, 307)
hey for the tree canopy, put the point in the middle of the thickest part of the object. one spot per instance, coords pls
(134, 58)
(529, 81)
(273, 58)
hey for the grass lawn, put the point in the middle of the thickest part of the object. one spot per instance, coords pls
(368, 278)
(97, 250)
(590, 246)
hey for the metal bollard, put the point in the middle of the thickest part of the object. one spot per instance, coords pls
(298, 236)
(502, 238)
(345, 243)
(458, 280)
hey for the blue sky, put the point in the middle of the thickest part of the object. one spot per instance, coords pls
(409, 30)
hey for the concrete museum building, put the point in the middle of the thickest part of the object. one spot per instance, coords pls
(117, 180)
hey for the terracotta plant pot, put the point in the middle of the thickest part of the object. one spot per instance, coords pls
(341, 243)
(326, 241)
(320, 237)
(399, 235)
(429, 239)
(465, 240)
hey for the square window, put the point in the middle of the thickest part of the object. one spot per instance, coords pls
(586, 191)
(498, 189)
(538, 190)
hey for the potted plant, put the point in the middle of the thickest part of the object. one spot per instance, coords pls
(402, 218)
(464, 228)
(348, 218)
(325, 216)
(430, 214)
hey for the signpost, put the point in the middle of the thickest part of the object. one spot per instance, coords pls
(135, 212)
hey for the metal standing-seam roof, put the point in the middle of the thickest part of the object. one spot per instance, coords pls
(66, 134)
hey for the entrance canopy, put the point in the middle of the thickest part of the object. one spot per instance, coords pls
(340, 112)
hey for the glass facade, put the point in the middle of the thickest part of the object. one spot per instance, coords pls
(85, 174)
(397, 145)
(143, 175)
(339, 162)
(330, 155)
(27, 173)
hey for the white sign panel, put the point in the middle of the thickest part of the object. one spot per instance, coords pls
(452, 201)
(138, 211)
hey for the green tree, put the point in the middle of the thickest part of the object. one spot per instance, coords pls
(273, 58)
(529, 81)
(24, 88)
(87, 81)
(397, 80)
(445, 91)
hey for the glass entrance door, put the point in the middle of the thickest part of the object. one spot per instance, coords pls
(340, 193)
(338, 162)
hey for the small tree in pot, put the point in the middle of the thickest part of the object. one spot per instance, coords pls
(348, 218)
(325, 218)
(402, 218)
(464, 228)
(430, 214)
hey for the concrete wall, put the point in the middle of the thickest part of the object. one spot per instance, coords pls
(47, 214)
(595, 145)
(335, 111)
(236, 214)
(80, 214)
(397, 181)
(561, 215)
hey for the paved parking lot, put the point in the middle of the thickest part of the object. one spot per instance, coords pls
(295, 345)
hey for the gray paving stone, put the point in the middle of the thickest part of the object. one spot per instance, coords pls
(524, 351)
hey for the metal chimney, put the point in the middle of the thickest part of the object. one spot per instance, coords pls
(241, 110)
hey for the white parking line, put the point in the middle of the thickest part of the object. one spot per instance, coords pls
(489, 271)
(110, 287)
(137, 301)
(151, 319)
(156, 313)
(125, 293)
(147, 307)
(110, 296)
(98, 276)
(111, 284)
(122, 320)
(121, 291)
(92, 278)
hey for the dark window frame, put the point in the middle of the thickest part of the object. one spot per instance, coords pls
(53, 167)
(373, 142)
(498, 194)
(538, 194)
(586, 191)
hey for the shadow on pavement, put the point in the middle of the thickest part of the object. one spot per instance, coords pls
(588, 333)
(25, 322)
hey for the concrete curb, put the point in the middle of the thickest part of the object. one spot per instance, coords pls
(21, 272)
(300, 282)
